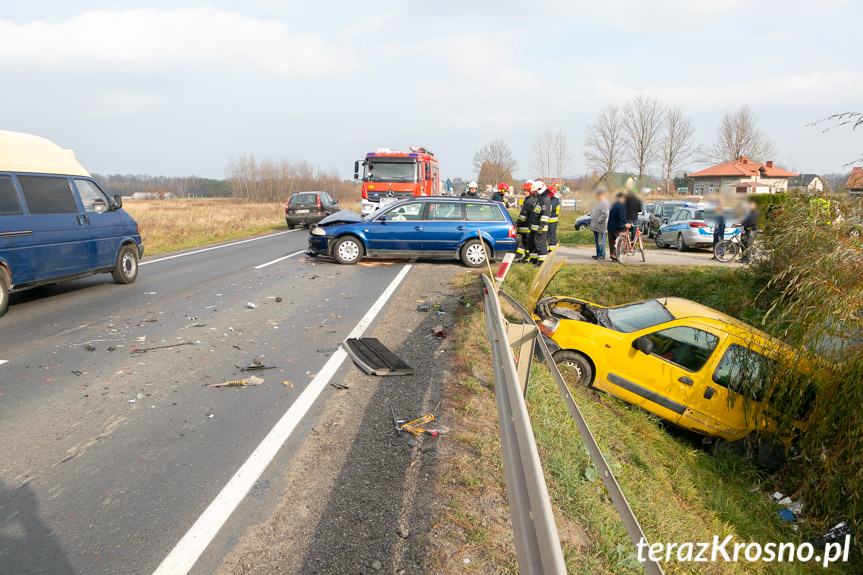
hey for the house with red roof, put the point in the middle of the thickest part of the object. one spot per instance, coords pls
(854, 185)
(742, 176)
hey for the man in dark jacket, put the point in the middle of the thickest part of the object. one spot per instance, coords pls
(633, 207)
(522, 228)
(539, 224)
(718, 228)
(750, 229)
(500, 194)
(617, 223)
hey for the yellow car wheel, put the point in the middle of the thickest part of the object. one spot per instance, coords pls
(575, 368)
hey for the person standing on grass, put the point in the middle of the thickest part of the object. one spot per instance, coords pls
(553, 218)
(522, 228)
(633, 207)
(750, 229)
(599, 224)
(616, 222)
(718, 228)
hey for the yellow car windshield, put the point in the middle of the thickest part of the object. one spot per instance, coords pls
(638, 316)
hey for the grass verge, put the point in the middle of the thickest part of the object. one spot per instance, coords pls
(168, 225)
(679, 491)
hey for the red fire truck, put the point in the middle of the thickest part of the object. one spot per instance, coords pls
(389, 176)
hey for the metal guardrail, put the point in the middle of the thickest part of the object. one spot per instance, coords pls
(536, 539)
(537, 543)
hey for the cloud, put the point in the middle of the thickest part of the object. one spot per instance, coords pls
(115, 103)
(202, 37)
(795, 91)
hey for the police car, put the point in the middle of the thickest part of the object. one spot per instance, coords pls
(690, 227)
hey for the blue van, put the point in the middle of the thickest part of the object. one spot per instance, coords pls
(56, 224)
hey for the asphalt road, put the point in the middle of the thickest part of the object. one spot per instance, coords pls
(109, 457)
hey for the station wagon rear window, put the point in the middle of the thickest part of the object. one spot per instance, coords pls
(46, 195)
(483, 213)
(303, 199)
(638, 316)
(9, 204)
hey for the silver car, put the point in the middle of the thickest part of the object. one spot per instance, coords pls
(686, 229)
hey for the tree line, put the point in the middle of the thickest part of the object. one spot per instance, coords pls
(163, 186)
(275, 180)
(642, 134)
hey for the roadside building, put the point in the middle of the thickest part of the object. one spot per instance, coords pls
(854, 185)
(742, 176)
(811, 183)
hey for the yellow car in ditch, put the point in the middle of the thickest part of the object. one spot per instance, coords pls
(685, 362)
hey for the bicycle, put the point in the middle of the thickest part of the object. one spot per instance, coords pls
(625, 247)
(727, 250)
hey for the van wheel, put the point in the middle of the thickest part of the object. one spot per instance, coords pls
(291, 226)
(473, 254)
(4, 291)
(126, 271)
(574, 367)
(348, 250)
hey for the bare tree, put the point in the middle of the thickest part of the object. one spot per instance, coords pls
(675, 143)
(498, 161)
(604, 142)
(268, 181)
(561, 157)
(739, 135)
(541, 152)
(642, 124)
(550, 154)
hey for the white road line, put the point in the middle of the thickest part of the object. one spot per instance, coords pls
(186, 553)
(145, 262)
(2, 361)
(262, 266)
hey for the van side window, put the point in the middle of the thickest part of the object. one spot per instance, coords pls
(9, 203)
(745, 371)
(687, 347)
(92, 197)
(45, 195)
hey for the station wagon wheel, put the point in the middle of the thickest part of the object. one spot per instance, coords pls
(348, 250)
(473, 254)
(126, 270)
(4, 291)
(575, 368)
(681, 245)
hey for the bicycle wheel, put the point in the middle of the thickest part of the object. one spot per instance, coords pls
(725, 251)
(623, 253)
(641, 248)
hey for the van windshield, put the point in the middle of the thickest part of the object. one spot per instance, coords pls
(638, 316)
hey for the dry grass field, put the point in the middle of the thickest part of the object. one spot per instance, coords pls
(168, 225)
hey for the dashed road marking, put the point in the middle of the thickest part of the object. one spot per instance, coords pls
(283, 258)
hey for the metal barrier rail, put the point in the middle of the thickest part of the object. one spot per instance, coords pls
(537, 543)
(536, 539)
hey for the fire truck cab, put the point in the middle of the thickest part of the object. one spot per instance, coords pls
(388, 176)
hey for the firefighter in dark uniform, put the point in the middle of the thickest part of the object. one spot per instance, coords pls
(539, 224)
(554, 217)
(522, 228)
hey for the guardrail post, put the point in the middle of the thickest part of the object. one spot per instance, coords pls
(523, 337)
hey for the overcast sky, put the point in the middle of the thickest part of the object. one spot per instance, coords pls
(179, 87)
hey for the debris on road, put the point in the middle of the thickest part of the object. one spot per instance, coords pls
(375, 358)
(255, 366)
(142, 350)
(340, 386)
(278, 300)
(414, 426)
(439, 331)
(250, 305)
(238, 382)
(424, 307)
(288, 383)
